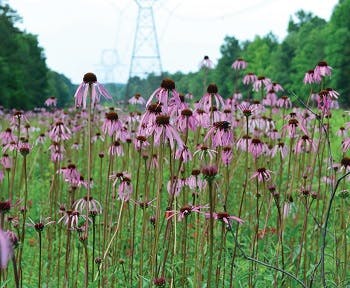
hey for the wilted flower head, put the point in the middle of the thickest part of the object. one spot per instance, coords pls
(89, 203)
(97, 89)
(40, 224)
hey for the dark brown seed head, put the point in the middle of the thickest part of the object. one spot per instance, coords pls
(293, 122)
(185, 210)
(322, 64)
(212, 89)
(112, 116)
(345, 162)
(155, 108)
(89, 78)
(187, 112)
(162, 120)
(141, 138)
(39, 227)
(222, 215)
(168, 84)
(195, 172)
(5, 207)
(222, 125)
(256, 141)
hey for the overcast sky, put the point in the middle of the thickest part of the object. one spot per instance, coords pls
(79, 36)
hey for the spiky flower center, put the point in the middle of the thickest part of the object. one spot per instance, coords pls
(293, 122)
(187, 112)
(168, 84)
(89, 78)
(345, 162)
(112, 116)
(212, 89)
(155, 108)
(162, 120)
(222, 125)
(322, 64)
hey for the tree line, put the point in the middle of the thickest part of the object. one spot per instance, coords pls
(25, 80)
(310, 39)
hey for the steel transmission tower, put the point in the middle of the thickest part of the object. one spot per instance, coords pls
(145, 57)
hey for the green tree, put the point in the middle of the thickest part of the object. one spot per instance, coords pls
(337, 50)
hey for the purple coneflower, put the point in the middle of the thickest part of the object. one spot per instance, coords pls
(204, 151)
(225, 217)
(186, 120)
(163, 130)
(186, 211)
(281, 149)
(323, 69)
(220, 133)
(250, 78)
(291, 128)
(7, 137)
(261, 82)
(116, 149)
(211, 98)
(6, 162)
(137, 99)
(51, 102)
(71, 218)
(284, 102)
(97, 90)
(262, 174)
(57, 151)
(59, 132)
(304, 144)
(206, 63)
(184, 154)
(87, 203)
(226, 155)
(112, 124)
(311, 77)
(40, 224)
(345, 144)
(239, 64)
(345, 164)
(257, 147)
(162, 94)
(202, 117)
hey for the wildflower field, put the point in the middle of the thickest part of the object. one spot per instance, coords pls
(178, 190)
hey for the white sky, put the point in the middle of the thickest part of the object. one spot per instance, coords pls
(79, 36)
